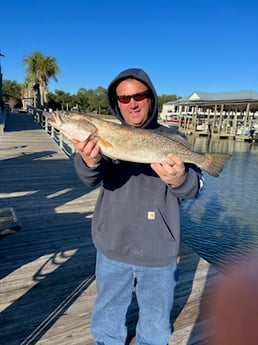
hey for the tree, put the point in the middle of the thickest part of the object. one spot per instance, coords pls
(12, 88)
(40, 69)
(60, 100)
(12, 92)
(82, 99)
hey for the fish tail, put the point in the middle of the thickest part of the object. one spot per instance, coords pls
(214, 163)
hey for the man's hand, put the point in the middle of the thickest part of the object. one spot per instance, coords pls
(172, 172)
(89, 151)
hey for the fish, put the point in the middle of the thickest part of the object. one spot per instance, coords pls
(130, 144)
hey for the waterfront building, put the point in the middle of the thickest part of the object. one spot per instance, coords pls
(227, 113)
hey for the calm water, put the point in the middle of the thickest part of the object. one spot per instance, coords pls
(222, 223)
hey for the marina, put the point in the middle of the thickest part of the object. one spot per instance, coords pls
(226, 115)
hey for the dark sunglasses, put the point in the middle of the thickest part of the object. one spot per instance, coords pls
(137, 97)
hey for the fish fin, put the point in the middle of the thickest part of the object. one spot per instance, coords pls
(214, 163)
(104, 143)
(181, 140)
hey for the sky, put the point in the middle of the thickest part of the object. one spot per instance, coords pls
(183, 45)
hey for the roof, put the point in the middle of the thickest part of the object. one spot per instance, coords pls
(245, 95)
(224, 96)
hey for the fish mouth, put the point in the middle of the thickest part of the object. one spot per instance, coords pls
(52, 118)
(49, 116)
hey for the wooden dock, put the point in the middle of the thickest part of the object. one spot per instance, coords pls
(47, 285)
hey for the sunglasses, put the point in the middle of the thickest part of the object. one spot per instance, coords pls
(137, 97)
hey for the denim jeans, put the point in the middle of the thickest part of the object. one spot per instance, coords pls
(155, 294)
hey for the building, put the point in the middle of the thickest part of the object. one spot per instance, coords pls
(225, 113)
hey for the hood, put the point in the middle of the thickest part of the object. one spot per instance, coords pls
(143, 77)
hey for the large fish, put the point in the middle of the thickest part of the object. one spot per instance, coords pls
(133, 144)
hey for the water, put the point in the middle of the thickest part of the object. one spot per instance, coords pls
(221, 225)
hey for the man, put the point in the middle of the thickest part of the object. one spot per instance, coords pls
(136, 225)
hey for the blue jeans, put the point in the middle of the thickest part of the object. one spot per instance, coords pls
(155, 295)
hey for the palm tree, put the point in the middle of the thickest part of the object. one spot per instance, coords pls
(40, 69)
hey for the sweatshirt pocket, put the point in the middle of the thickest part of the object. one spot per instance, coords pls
(130, 231)
(166, 223)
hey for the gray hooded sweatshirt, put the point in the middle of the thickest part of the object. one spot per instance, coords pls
(136, 218)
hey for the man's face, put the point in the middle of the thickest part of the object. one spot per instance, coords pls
(135, 111)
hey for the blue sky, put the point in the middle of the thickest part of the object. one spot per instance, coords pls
(185, 46)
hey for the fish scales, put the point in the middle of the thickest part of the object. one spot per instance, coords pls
(134, 144)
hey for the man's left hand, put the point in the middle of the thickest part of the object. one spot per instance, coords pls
(172, 172)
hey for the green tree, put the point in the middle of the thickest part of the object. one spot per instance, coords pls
(12, 88)
(92, 100)
(60, 100)
(82, 99)
(12, 92)
(97, 100)
(40, 69)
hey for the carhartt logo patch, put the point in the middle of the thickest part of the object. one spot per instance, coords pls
(151, 215)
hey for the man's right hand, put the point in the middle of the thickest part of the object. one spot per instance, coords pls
(89, 151)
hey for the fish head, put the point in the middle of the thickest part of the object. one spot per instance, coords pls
(53, 118)
(56, 118)
(49, 116)
(72, 127)
(59, 119)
